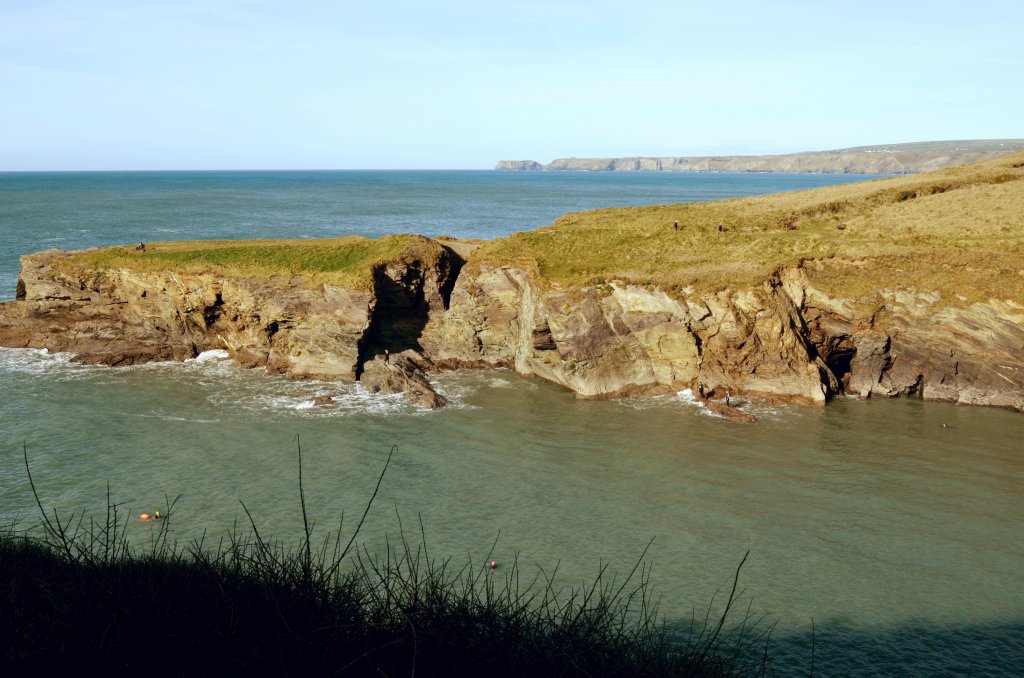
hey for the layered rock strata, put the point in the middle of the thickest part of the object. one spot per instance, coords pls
(909, 158)
(782, 340)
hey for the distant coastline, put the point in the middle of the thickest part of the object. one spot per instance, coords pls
(911, 158)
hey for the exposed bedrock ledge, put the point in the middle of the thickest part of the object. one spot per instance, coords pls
(781, 340)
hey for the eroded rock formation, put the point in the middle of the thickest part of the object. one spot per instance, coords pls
(782, 340)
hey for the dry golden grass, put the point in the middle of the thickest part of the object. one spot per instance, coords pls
(345, 262)
(959, 232)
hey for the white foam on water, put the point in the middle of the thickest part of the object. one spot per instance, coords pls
(766, 410)
(687, 396)
(346, 400)
(214, 355)
(229, 387)
(664, 402)
(168, 417)
(39, 361)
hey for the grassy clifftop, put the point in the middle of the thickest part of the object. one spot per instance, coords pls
(346, 262)
(958, 231)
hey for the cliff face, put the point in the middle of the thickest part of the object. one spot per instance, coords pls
(782, 297)
(781, 340)
(837, 162)
(519, 165)
(124, 317)
(893, 159)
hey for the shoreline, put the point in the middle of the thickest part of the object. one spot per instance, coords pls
(794, 297)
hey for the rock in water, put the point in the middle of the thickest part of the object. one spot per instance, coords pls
(402, 373)
(729, 412)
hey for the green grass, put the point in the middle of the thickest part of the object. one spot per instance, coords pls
(340, 261)
(78, 597)
(958, 231)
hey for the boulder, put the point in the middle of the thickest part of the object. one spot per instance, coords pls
(402, 373)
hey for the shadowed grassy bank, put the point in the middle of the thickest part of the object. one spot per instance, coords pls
(77, 596)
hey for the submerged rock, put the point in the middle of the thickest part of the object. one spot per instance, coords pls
(729, 412)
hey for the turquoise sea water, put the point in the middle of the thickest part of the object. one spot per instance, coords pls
(896, 526)
(71, 210)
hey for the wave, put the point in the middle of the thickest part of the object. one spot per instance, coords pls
(213, 379)
(37, 361)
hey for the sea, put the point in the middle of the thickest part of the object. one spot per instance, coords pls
(876, 537)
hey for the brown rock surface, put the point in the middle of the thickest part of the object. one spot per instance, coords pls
(729, 412)
(402, 373)
(782, 340)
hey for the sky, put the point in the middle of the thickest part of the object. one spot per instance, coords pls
(388, 84)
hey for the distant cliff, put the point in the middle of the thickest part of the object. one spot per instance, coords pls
(518, 165)
(892, 159)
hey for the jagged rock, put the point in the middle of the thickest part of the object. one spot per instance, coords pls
(611, 340)
(729, 412)
(402, 373)
(870, 362)
(782, 340)
(321, 400)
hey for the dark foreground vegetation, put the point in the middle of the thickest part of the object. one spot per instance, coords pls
(77, 596)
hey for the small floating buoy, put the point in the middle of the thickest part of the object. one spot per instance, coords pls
(144, 516)
(493, 564)
(156, 516)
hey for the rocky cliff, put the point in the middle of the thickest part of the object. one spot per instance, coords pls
(123, 316)
(892, 159)
(782, 339)
(910, 286)
(519, 165)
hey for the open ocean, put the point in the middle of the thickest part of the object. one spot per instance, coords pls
(895, 527)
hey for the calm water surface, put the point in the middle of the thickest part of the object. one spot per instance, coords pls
(897, 527)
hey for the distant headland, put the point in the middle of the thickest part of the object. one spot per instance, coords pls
(912, 158)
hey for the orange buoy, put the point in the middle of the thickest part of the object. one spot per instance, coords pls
(144, 516)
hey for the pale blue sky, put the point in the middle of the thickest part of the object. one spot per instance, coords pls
(105, 84)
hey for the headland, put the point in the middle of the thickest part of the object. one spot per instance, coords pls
(912, 158)
(902, 287)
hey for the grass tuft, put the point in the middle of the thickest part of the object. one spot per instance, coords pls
(77, 596)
